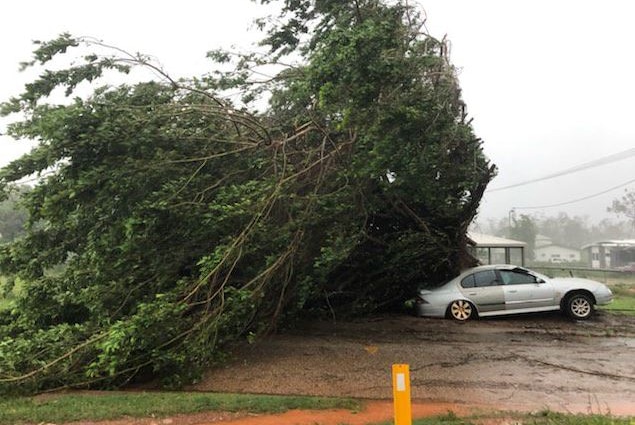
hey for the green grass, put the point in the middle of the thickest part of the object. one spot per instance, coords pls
(551, 418)
(542, 418)
(623, 301)
(104, 406)
(608, 277)
(448, 419)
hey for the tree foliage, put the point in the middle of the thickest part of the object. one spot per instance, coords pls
(178, 220)
(524, 229)
(625, 206)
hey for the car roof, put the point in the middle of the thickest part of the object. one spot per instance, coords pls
(493, 267)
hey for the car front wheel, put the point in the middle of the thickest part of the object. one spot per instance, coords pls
(579, 306)
(461, 310)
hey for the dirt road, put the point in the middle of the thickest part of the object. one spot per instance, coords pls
(522, 363)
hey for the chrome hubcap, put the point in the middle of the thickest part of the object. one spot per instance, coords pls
(461, 310)
(580, 307)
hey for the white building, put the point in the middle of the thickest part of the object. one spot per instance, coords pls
(546, 251)
(556, 254)
(610, 254)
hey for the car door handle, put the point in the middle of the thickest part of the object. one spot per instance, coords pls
(472, 293)
(513, 291)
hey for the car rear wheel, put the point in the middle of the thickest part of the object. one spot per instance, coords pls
(579, 306)
(461, 310)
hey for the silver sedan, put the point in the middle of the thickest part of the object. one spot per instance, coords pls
(506, 289)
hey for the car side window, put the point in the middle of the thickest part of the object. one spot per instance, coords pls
(468, 282)
(511, 277)
(485, 278)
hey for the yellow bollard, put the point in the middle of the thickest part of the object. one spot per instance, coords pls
(401, 394)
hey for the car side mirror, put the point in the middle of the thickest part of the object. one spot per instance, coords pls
(539, 280)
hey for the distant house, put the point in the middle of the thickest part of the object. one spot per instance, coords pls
(611, 254)
(490, 249)
(556, 254)
(547, 251)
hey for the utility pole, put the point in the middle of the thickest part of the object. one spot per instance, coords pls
(511, 215)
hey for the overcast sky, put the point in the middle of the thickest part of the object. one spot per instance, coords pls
(550, 84)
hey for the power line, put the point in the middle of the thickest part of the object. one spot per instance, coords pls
(595, 163)
(577, 200)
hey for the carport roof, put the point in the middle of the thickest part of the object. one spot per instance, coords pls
(490, 241)
(622, 243)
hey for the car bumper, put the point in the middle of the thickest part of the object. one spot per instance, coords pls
(603, 298)
(429, 310)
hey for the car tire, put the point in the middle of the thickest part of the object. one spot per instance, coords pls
(461, 310)
(579, 306)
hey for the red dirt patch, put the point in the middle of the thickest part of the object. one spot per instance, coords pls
(374, 411)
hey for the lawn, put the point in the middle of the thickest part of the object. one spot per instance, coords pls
(542, 418)
(608, 277)
(104, 406)
(551, 418)
(624, 300)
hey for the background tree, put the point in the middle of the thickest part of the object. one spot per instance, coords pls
(611, 229)
(12, 215)
(625, 206)
(181, 220)
(524, 229)
(565, 230)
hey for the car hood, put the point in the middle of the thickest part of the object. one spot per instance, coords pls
(577, 283)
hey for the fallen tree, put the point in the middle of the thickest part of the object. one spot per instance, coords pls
(168, 221)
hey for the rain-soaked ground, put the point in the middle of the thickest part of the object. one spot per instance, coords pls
(527, 362)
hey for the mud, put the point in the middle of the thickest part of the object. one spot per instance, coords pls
(373, 412)
(525, 363)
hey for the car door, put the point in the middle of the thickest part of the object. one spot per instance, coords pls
(523, 290)
(484, 290)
